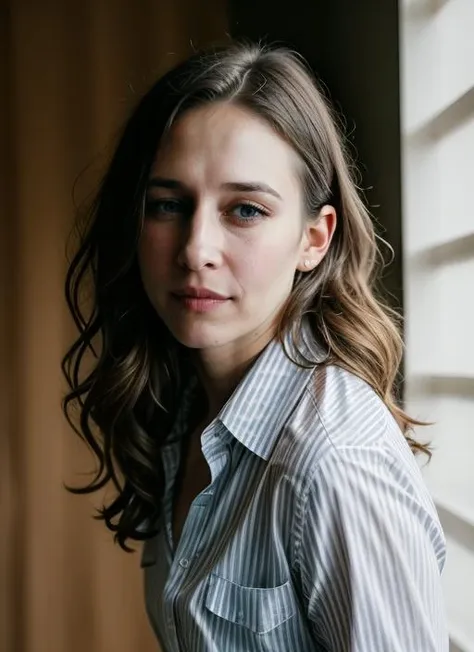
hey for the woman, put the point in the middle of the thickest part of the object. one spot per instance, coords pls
(241, 398)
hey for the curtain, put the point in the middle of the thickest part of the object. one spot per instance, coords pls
(70, 71)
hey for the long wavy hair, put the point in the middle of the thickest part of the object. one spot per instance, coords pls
(125, 369)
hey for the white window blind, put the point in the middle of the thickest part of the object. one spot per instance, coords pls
(437, 86)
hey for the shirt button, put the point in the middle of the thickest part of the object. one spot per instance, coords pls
(184, 563)
(240, 616)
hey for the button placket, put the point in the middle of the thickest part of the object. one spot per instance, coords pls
(192, 543)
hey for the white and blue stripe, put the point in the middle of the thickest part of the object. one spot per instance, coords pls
(317, 532)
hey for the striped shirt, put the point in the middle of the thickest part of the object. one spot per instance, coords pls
(317, 532)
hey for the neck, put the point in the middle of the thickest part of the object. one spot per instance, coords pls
(220, 369)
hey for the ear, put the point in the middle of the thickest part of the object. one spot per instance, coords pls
(316, 238)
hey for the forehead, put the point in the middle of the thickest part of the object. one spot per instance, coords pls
(225, 142)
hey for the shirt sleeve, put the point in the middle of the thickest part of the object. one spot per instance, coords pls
(372, 551)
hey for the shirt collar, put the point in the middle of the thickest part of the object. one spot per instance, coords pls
(266, 396)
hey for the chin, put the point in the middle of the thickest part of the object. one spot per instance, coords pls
(200, 336)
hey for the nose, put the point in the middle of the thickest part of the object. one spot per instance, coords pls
(202, 241)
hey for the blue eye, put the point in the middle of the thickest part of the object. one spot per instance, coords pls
(247, 212)
(165, 207)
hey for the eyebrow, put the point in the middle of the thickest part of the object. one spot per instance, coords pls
(240, 186)
(170, 184)
(249, 186)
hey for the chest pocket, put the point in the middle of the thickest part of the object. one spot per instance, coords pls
(259, 609)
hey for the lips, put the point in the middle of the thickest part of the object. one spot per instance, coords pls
(200, 293)
(199, 300)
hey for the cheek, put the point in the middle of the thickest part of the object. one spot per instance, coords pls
(267, 263)
(155, 252)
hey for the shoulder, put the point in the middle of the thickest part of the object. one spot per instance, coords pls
(347, 408)
(359, 471)
(339, 413)
(365, 460)
(341, 428)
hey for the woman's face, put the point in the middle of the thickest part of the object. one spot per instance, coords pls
(223, 215)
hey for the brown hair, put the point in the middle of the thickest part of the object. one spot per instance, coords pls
(131, 394)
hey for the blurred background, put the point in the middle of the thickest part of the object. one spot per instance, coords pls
(402, 75)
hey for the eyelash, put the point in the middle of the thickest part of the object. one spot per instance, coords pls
(263, 212)
(154, 206)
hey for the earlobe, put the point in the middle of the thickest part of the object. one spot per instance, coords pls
(317, 238)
